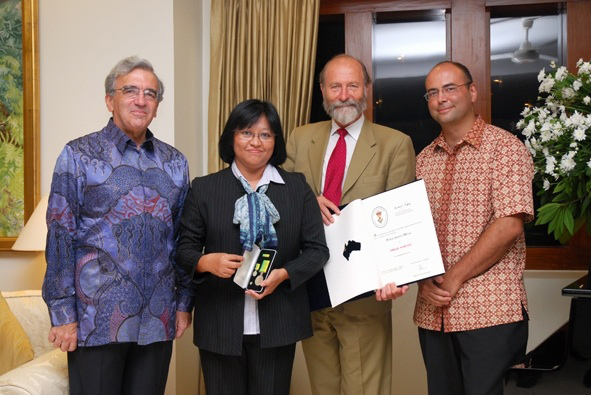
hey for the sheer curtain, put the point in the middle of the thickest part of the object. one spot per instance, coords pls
(263, 49)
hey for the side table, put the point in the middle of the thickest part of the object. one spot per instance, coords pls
(578, 290)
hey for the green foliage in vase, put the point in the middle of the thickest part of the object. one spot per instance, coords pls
(558, 135)
(11, 120)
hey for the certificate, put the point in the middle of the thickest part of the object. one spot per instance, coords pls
(389, 237)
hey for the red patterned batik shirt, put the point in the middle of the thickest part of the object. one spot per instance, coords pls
(487, 175)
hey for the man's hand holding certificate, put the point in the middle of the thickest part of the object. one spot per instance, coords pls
(386, 238)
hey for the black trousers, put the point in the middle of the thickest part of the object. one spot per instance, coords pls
(472, 362)
(258, 371)
(120, 369)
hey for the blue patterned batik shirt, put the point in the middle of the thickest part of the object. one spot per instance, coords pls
(112, 219)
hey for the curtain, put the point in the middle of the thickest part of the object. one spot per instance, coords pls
(261, 49)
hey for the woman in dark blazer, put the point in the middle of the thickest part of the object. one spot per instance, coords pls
(247, 339)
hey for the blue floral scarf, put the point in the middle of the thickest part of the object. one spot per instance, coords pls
(256, 215)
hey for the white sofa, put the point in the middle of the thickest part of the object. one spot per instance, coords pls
(47, 372)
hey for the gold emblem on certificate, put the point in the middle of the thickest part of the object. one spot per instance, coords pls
(379, 217)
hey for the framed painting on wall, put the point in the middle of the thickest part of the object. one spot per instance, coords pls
(19, 116)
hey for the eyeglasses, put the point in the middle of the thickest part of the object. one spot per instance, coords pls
(131, 92)
(446, 90)
(247, 135)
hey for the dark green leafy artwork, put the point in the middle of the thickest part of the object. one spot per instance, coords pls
(11, 119)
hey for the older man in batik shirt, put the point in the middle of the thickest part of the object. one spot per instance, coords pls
(473, 320)
(115, 296)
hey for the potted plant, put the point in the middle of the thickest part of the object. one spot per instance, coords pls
(558, 134)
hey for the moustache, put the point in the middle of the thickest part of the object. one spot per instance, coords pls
(346, 103)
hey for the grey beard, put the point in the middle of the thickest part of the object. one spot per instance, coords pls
(345, 112)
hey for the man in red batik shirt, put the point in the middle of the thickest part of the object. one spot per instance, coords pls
(473, 319)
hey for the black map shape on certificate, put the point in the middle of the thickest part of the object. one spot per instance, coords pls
(351, 246)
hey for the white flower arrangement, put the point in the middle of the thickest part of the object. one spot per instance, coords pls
(558, 135)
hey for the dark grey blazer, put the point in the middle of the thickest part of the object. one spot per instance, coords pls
(206, 227)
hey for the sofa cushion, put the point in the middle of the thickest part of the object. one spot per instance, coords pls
(16, 348)
(44, 375)
(31, 311)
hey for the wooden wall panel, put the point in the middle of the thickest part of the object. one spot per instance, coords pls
(470, 46)
(494, 3)
(356, 6)
(358, 43)
(574, 256)
(578, 38)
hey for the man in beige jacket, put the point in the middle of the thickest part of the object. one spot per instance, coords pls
(351, 350)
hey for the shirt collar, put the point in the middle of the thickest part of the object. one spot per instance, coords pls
(121, 140)
(473, 138)
(269, 175)
(354, 129)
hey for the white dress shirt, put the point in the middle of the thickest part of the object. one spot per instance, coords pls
(353, 132)
(251, 309)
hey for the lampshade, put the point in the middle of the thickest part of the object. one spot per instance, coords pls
(34, 234)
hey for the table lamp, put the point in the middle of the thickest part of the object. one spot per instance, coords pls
(34, 234)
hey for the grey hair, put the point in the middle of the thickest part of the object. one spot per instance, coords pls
(126, 66)
(366, 77)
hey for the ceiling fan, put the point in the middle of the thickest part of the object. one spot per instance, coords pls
(526, 53)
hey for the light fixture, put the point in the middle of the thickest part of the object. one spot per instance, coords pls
(34, 234)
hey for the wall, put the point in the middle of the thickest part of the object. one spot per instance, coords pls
(548, 309)
(191, 65)
(191, 69)
(80, 41)
(21, 270)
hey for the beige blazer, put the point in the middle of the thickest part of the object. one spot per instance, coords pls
(384, 158)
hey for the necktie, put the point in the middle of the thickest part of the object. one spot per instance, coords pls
(336, 169)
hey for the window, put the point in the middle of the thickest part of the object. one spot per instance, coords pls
(405, 47)
(331, 42)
